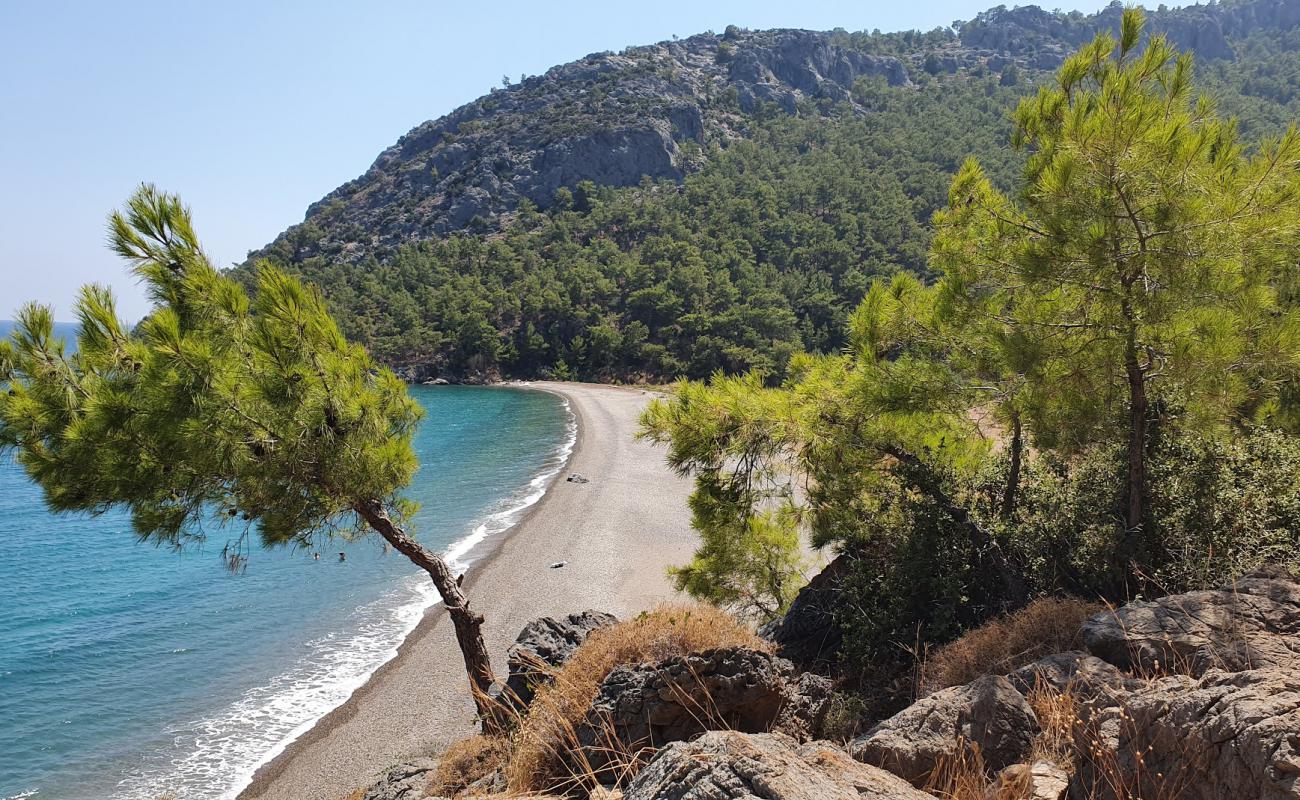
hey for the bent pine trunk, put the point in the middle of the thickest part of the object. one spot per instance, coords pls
(468, 624)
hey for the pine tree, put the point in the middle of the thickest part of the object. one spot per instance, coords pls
(218, 412)
(1139, 261)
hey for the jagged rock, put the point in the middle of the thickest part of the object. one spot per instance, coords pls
(492, 783)
(408, 781)
(543, 646)
(988, 712)
(1073, 669)
(725, 765)
(1223, 735)
(808, 634)
(1253, 623)
(1200, 29)
(1041, 780)
(733, 688)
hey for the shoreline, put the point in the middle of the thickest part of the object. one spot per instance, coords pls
(474, 554)
(351, 745)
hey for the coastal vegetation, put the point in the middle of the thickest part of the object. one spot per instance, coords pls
(1091, 398)
(218, 413)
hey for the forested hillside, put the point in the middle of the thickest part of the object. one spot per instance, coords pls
(772, 175)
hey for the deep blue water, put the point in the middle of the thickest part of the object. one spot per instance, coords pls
(127, 671)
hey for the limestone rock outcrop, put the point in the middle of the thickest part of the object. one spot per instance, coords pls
(988, 713)
(408, 781)
(1082, 673)
(725, 765)
(1224, 734)
(808, 633)
(543, 646)
(1253, 623)
(733, 688)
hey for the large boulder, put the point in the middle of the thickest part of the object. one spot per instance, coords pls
(1223, 735)
(988, 713)
(726, 765)
(1253, 623)
(808, 634)
(1077, 671)
(543, 646)
(730, 688)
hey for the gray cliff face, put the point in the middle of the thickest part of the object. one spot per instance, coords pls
(614, 119)
(1046, 37)
(611, 119)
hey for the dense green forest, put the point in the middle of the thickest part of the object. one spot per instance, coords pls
(759, 255)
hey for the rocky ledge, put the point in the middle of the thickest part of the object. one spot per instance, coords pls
(1192, 696)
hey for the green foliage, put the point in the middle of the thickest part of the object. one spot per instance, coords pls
(1223, 507)
(1141, 259)
(215, 412)
(731, 435)
(1143, 234)
(760, 255)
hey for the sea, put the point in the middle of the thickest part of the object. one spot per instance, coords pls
(130, 671)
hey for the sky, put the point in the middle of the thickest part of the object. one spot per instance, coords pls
(250, 111)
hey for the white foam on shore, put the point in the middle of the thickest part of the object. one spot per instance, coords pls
(218, 755)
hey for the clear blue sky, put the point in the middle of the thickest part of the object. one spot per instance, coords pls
(252, 110)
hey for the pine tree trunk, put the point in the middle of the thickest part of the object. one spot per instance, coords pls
(1013, 469)
(468, 624)
(1137, 443)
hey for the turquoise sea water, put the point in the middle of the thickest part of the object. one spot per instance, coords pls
(132, 672)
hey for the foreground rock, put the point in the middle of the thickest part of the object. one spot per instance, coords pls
(408, 781)
(1253, 623)
(1224, 735)
(988, 712)
(725, 765)
(1085, 675)
(808, 634)
(543, 646)
(734, 688)
(1041, 780)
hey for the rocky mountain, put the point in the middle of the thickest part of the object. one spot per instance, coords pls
(655, 111)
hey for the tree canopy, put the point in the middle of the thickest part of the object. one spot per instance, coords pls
(217, 411)
(1125, 312)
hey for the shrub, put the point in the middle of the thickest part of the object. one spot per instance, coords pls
(1045, 626)
(547, 738)
(913, 583)
(1225, 508)
(1218, 509)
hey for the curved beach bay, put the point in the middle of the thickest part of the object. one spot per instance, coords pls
(617, 534)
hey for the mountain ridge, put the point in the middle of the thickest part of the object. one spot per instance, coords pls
(717, 203)
(651, 110)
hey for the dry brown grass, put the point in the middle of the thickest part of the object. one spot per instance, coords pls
(545, 745)
(1058, 721)
(467, 761)
(1071, 739)
(1047, 625)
